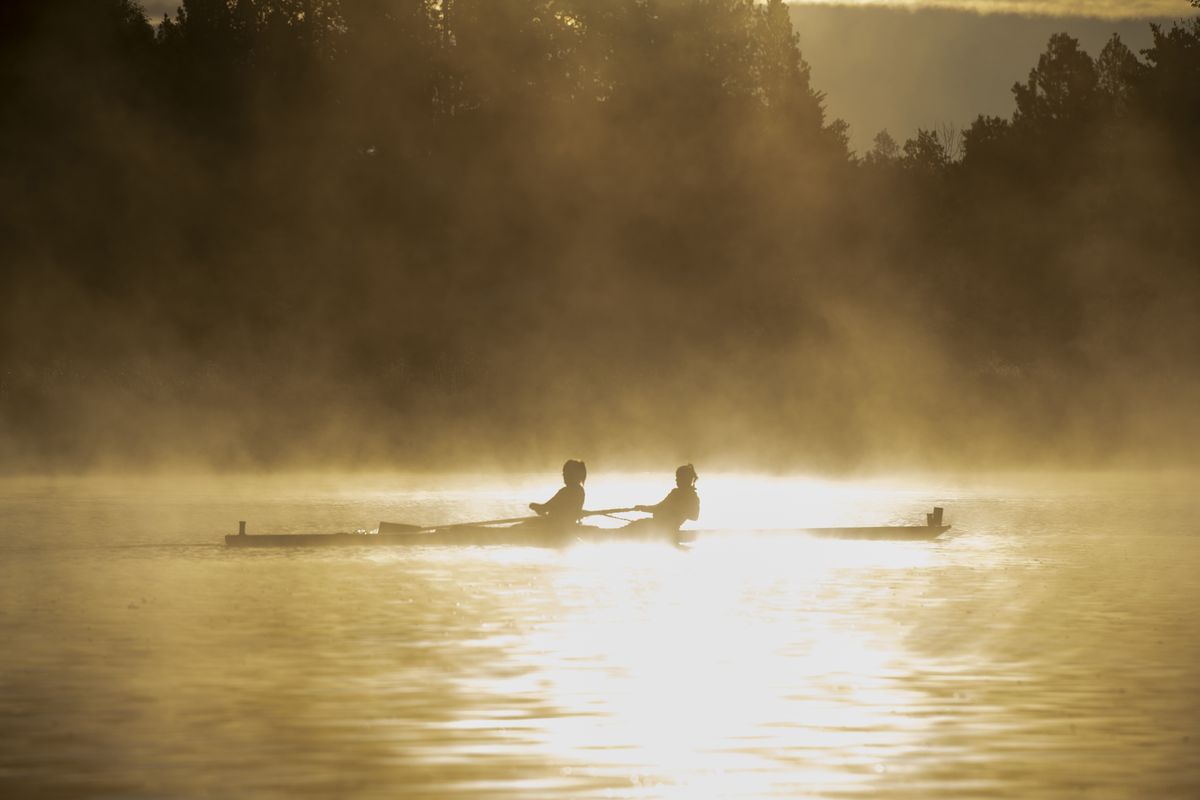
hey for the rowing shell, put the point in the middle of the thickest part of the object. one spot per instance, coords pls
(544, 535)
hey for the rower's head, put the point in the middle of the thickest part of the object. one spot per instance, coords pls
(574, 472)
(685, 477)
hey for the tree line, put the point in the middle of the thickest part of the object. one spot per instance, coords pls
(269, 231)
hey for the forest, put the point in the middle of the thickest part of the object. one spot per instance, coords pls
(443, 233)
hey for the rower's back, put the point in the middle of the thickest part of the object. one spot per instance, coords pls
(566, 507)
(679, 506)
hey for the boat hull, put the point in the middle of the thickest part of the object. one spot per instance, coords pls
(539, 536)
(894, 533)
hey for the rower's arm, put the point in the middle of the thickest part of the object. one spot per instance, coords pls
(654, 509)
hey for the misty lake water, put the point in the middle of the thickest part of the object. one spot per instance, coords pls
(1048, 646)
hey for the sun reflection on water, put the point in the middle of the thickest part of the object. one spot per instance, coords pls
(700, 673)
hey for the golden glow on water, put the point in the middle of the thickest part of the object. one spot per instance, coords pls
(1048, 644)
(714, 666)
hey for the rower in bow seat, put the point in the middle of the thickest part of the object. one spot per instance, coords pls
(680, 505)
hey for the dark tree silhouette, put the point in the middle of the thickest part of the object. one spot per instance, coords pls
(268, 228)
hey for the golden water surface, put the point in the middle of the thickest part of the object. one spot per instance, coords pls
(1047, 647)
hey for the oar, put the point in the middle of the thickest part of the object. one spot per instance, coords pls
(604, 512)
(401, 527)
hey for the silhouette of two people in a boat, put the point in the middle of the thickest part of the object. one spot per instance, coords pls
(566, 507)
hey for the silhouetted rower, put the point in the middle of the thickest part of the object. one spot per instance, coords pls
(679, 506)
(566, 507)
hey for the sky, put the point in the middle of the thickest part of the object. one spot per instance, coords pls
(1111, 9)
(899, 69)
